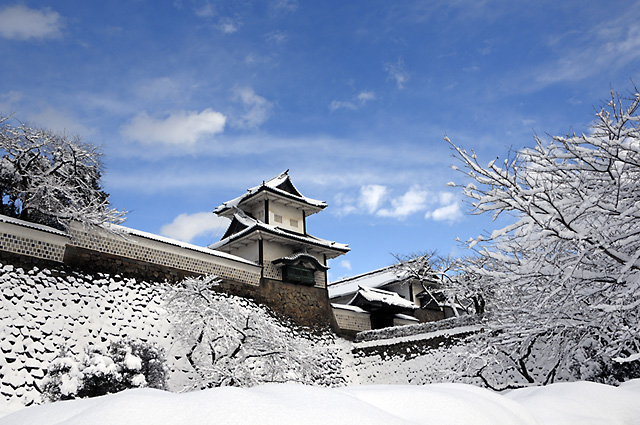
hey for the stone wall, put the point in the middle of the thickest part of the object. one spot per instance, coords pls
(134, 254)
(419, 328)
(306, 305)
(44, 309)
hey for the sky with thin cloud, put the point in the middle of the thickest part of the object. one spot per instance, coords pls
(194, 101)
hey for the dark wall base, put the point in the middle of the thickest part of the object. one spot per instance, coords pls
(307, 306)
(27, 262)
(94, 261)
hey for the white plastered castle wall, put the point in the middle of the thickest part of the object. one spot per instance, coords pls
(351, 318)
(249, 252)
(164, 254)
(19, 239)
(288, 215)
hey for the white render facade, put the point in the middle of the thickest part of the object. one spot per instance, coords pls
(268, 227)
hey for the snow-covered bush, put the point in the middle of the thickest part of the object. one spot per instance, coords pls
(123, 365)
(232, 341)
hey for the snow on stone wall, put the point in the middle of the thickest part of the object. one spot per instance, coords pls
(417, 329)
(41, 310)
(418, 359)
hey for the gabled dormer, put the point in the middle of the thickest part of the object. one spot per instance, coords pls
(268, 226)
(276, 202)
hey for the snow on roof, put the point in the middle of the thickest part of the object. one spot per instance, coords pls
(418, 337)
(253, 224)
(373, 279)
(28, 224)
(139, 233)
(406, 317)
(304, 257)
(123, 231)
(385, 297)
(273, 186)
(349, 307)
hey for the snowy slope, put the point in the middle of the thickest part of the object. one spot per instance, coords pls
(291, 404)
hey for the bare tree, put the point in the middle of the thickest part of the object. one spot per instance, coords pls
(566, 272)
(443, 278)
(230, 341)
(50, 179)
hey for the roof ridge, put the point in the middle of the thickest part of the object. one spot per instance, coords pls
(371, 272)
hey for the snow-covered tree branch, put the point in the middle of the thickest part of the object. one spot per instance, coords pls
(567, 269)
(51, 179)
(230, 341)
(443, 279)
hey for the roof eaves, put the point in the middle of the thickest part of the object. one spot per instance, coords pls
(335, 246)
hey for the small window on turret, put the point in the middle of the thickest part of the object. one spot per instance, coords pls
(277, 218)
(294, 223)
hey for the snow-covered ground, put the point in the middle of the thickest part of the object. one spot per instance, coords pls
(583, 403)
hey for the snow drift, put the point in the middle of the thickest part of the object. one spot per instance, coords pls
(283, 404)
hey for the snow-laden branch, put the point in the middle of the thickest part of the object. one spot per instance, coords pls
(51, 179)
(230, 341)
(569, 264)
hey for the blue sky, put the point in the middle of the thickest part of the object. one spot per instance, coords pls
(193, 102)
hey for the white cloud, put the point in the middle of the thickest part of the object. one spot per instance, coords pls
(366, 96)
(368, 200)
(59, 121)
(376, 200)
(206, 10)
(187, 227)
(446, 198)
(345, 264)
(414, 200)
(602, 48)
(344, 204)
(277, 37)
(9, 101)
(358, 101)
(181, 128)
(448, 211)
(21, 23)
(228, 25)
(397, 72)
(257, 108)
(372, 196)
(339, 104)
(158, 88)
(284, 6)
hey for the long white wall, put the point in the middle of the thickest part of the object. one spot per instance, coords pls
(43, 242)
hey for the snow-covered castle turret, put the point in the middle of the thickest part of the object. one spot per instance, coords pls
(268, 226)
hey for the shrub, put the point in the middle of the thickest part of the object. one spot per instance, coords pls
(123, 365)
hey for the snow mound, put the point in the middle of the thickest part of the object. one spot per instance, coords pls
(284, 404)
(584, 403)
